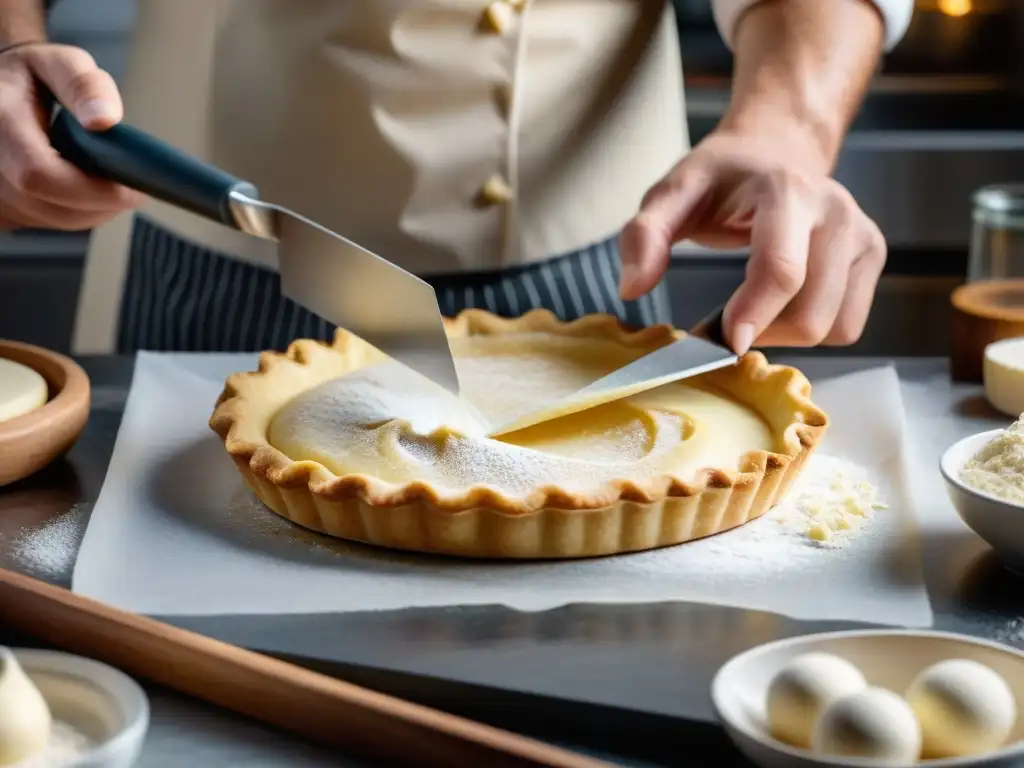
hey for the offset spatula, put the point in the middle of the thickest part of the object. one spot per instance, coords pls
(703, 349)
(328, 274)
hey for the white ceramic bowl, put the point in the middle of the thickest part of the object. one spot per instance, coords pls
(998, 522)
(888, 658)
(101, 702)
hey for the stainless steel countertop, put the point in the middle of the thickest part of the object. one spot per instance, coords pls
(629, 683)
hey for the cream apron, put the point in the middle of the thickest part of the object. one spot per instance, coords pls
(454, 137)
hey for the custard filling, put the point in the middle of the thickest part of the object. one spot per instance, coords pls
(386, 421)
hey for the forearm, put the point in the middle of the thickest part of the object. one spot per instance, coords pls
(803, 66)
(21, 21)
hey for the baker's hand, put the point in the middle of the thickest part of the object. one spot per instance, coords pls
(38, 188)
(815, 256)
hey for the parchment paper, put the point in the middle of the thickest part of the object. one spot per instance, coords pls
(175, 532)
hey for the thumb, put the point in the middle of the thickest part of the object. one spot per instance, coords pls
(79, 85)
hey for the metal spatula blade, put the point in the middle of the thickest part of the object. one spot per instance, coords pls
(357, 290)
(328, 274)
(689, 356)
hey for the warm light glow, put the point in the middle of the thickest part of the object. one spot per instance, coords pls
(956, 7)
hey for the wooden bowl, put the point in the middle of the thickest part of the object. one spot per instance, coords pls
(31, 441)
(983, 312)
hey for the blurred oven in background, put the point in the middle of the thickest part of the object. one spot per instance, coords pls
(944, 116)
(946, 38)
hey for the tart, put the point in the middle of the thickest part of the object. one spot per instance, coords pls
(343, 440)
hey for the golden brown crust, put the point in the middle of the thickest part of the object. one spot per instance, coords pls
(480, 521)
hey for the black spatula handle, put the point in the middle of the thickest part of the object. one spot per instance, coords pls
(711, 328)
(132, 157)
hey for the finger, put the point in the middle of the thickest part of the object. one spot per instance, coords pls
(810, 315)
(79, 85)
(34, 169)
(860, 294)
(646, 242)
(18, 213)
(34, 212)
(26, 214)
(779, 240)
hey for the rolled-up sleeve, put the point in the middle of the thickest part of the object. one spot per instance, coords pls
(896, 14)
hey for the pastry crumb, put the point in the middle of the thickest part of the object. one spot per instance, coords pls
(819, 531)
(827, 508)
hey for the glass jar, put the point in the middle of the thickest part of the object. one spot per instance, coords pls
(990, 306)
(997, 237)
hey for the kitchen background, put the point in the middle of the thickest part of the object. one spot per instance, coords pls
(944, 117)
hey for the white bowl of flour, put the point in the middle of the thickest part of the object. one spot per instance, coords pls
(984, 477)
(98, 716)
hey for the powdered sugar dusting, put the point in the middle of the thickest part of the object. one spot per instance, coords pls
(48, 551)
(385, 422)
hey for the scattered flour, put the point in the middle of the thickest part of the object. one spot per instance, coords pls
(781, 542)
(1011, 633)
(831, 504)
(48, 550)
(66, 746)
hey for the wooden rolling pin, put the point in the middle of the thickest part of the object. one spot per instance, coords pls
(314, 706)
(983, 312)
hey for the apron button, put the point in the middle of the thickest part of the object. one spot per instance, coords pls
(500, 16)
(496, 191)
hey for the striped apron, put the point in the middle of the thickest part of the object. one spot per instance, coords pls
(180, 296)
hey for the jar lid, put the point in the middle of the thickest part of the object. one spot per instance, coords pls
(1001, 198)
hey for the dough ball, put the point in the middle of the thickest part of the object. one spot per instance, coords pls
(801, 691)
(964, 708)
(871, 723)
(24, 715)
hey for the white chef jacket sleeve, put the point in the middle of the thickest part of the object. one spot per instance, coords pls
(896, 14)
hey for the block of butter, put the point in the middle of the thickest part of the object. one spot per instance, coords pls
(22, 389)
(1004, 375)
